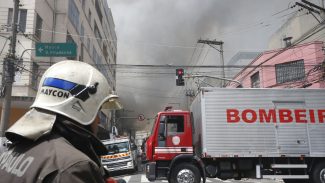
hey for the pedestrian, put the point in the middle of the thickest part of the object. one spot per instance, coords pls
(54, 141)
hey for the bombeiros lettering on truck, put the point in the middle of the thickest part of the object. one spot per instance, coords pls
(276, 116)
(241, 133)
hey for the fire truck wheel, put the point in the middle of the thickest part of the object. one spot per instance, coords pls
(318, 174)
(185, 173)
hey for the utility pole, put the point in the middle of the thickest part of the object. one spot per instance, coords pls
(313, 8)
(8, 72)
(220, 43)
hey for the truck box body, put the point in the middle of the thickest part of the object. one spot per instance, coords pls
(259, 122)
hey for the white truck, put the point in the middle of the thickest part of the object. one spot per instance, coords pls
(241, 133)
(122, 155)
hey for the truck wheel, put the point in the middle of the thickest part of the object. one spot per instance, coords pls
(185, 173)
(318, 174)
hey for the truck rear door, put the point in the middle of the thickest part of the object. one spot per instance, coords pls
(292, 137)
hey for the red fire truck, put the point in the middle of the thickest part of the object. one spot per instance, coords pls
(241, 133)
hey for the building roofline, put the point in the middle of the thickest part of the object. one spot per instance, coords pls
(275, 51)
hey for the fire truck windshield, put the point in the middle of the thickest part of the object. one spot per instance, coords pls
(117, 148)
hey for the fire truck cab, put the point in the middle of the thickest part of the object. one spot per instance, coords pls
(171, 142)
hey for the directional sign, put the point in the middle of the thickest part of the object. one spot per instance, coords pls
(56, 50)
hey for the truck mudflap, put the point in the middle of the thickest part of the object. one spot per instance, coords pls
(151, 171)
(184, 157)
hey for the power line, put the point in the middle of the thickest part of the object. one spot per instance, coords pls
(4, 45)
(289, 47)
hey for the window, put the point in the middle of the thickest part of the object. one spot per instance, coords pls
(99, 12)
(69, 39)
(38, 28)
(117, 148)
(89, 17)
(97, 58)
(97, 33)
(162, 131)
(35, 70)
(98, 61)
(22, 20)
(10, 17)
(73, 14)
(22, 17)
(82, 33)
(83, 4)
(95, 55)
(81, 56)
(290, 71)
(175, 124)
(255, 80)
(105, 53)
(88, 45)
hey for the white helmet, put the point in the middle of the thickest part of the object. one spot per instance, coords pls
(73, 89)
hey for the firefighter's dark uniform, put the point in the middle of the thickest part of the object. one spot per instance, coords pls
(68, 154)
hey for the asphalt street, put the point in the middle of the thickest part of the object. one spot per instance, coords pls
(140, 177)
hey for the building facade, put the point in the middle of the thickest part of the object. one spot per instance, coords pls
(86, 23)
(299, 66)
(295, 59)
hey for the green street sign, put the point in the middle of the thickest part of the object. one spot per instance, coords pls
(56, 50)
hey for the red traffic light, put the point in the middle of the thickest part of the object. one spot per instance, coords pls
(179, 72)
(179, 77)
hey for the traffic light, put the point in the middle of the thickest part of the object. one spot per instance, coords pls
(179, 77)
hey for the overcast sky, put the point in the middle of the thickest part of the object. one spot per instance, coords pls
(161, 32)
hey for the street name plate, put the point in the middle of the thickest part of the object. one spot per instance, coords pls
(56, 50)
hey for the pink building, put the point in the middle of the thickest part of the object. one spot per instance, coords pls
(298, 66)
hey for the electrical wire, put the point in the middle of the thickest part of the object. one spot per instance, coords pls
(4, 45)
(283, 50)
(175, 46)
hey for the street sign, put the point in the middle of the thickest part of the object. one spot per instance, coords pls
(56, 50)
(141, 117)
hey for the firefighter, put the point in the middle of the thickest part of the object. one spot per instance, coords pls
(54, 141)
